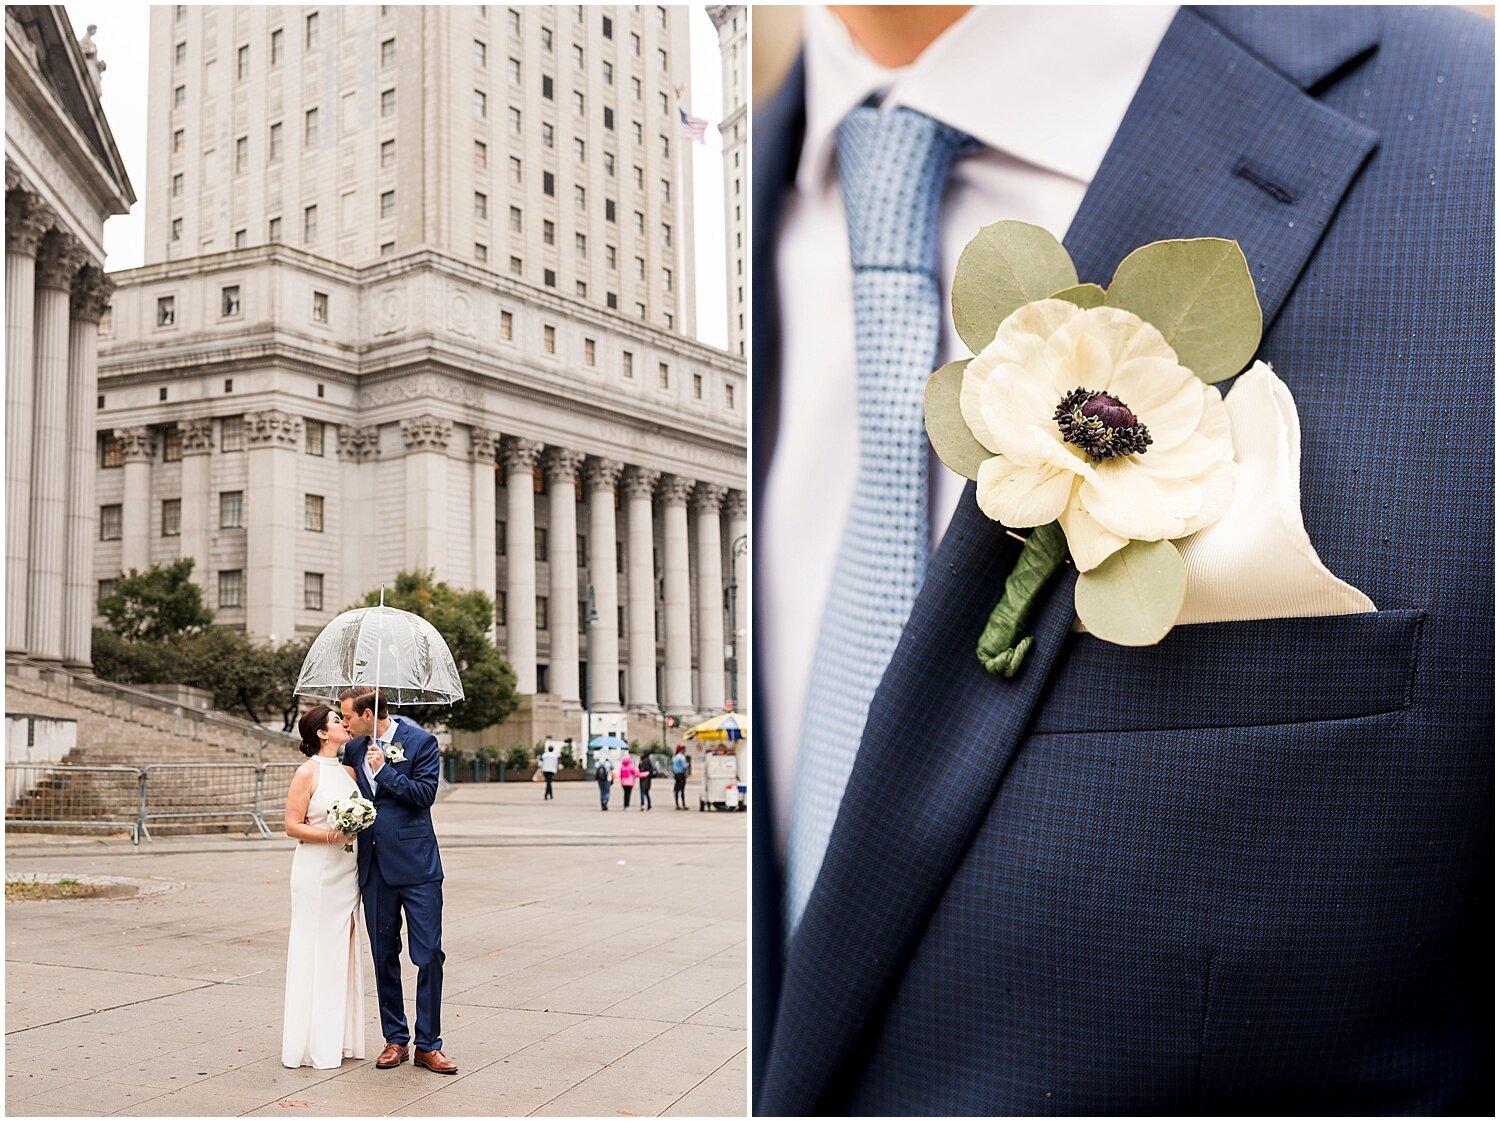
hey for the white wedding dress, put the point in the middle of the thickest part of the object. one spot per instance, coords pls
(325, 994)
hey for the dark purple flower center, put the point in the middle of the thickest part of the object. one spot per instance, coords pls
(1102, 425)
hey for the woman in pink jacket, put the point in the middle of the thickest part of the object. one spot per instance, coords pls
(628, 772)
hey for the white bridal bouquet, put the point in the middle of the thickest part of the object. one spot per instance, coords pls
(350, 815)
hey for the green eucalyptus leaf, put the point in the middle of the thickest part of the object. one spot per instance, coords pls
(1084, 295)
(951, 437)
(1134, 597)
(1199, 294)
(1005, 265)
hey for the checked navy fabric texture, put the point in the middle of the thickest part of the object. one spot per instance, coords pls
(892, 170)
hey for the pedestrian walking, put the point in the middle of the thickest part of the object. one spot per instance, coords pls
(681, 765)
(548, 764)
(628, 774)
(604, 776)
(648, 773)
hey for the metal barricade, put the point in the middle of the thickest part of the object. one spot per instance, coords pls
(79, 798)
(208, 794)
(270, 800)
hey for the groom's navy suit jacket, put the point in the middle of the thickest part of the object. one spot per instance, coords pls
(402, 839)
(1248, 870)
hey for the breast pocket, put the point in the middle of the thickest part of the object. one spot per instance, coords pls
(1246, 673)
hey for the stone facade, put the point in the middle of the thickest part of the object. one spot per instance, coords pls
(733, 23)
(316, 420)
(63, 178)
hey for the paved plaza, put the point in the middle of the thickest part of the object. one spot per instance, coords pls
(595, 967)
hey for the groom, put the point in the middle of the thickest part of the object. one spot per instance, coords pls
(397, 765)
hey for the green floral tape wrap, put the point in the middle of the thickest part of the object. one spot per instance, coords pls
(1000, 650)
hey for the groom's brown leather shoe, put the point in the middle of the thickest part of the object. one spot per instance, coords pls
(393, 1055)
(434, 1061)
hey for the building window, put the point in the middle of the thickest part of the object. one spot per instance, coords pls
(578, 56)
(609, 28)
(320, 307)
(515, 265)
(310, 40)
(177, 229)
(231, 588)
(507, 326)
(480, 54)
(177, 185)
(278, 37)
(481, 252)
(640, 268)
(387, 153)
(611, 300)
(241, 239)
(107, 588)
(580, 289)
(310, 224)
(640, 311)
(242, 64)
(635, 131)
(312, 513)
(273, 230)
(635, 44)
(274, 145)
(387, 102)
(581, 245)
(541, 543)
(549, 184)
(588, 352)
(640, 178)
(481, 105)
(580, 196)
(111, 455)
(547, 86)
(313, 434)
(548, 135)
(728, 395)
(547, 40)
(111, 522)
(231, 430)
(662, 54)
(640, 223)
(583, 563)
(229, 300)
(231, 510)
(666, 234)
(515, 220)
(481, 205)
(387, 53)
(549, 278)
(662, 102)
(610, 256)
(542, 624)
(698, 386)
(578, 149)
(666, 280)
(312, 592)
(171, 518)
(628, 365)
(635, 89)
(578, 104)
(514, 18)
(609, 164)
(166, 310)
(180, 55)
(609, 210)
(664, 375)
(387, 249)
(481, 155)
(500, 603)
(549, 339)
(179, 97)
(513, 70)
(499, 537)
(666, 190)
(387, 204)
(310, 128)
(515, 119)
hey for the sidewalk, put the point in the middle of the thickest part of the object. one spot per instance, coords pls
(595, 966)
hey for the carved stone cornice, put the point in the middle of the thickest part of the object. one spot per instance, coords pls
(58, 261)
(639, 482)
(736, 504)
(519, 454)
(272, 428)
(708, 498)
(601, 474)
(426, 433)
(358, 443)
(561, 465)
(674, 490)
(135, 444)
(91, 293)
(482, 445)
(197, 436)
(27, 220)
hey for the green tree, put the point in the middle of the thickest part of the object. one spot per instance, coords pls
(160, 603)
(465, 621)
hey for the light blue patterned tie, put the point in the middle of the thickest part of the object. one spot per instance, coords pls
(892, 169)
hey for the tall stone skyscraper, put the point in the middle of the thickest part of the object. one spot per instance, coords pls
(418, 293)
(733, 23)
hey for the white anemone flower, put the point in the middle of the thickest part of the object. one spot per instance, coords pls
(1095, 424)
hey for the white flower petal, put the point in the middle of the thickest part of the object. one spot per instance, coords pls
(1134, 504)
(1089, 543)
(1216, 493)
(1014, 495)
(1012, 403)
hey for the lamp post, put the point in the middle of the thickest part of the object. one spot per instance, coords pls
(737, 549)
(588, 661)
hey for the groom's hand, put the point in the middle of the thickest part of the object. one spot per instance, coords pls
(374, 757)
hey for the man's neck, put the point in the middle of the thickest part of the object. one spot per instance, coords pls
(381, 727)
(896, 35)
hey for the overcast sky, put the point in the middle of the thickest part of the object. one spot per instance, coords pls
(123, 38)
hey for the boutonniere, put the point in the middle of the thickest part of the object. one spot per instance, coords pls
(394, 754)
(1091, 417)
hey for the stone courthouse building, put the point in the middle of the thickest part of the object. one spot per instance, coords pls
(63, 178)
(418, 292)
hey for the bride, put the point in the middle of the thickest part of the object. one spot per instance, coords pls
(325, 995)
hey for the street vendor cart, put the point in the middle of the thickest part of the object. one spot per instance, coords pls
(724, 784)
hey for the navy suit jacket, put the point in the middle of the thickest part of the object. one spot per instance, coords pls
(1248, 870)
(402, 839)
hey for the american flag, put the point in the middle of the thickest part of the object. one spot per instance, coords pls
(692, 127)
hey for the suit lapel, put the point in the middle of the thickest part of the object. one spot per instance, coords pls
(1217, 142)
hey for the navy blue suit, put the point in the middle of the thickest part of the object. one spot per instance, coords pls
(400, 871)
(1248, 870)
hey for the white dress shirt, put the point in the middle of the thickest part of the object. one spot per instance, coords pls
(1043, 89)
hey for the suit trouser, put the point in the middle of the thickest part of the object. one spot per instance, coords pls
(547, 775)
(423, 905)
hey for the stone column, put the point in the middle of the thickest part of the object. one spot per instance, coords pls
(27, 219)
(273, 513)
(640, 588)
(426, 438)
(359, 447)
(90, 298)
(520, 457)
(677, 681)
(136, 449)
(482, 445)
(197, 499)
(712, 687)
(57, 265)
(736, 512)
(604, 634)
(561, 467)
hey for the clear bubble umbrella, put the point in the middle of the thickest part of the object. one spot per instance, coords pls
(399, 654)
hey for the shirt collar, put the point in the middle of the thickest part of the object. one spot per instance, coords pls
(390, 731)
(1046, 85)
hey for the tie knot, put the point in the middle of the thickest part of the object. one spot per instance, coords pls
(893, 165)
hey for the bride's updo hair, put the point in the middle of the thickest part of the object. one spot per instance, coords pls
(314, 721)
